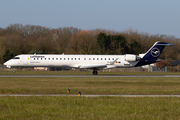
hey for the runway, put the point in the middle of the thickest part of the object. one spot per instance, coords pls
(88, 76)
(28, 95)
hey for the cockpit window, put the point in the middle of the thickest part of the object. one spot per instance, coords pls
(16, 58)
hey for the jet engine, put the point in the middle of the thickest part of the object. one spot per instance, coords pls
(131, 57)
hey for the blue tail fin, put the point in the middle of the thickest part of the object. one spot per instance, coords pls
(153, 53)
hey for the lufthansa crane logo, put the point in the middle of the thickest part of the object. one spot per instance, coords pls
(155, 52)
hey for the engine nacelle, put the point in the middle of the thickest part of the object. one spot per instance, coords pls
(131, 57)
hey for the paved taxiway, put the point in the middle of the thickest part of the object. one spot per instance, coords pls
(21, 95)
(90, 76)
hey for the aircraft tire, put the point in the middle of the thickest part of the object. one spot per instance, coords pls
(95, 72)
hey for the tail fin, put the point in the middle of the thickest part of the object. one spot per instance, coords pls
(153, 53)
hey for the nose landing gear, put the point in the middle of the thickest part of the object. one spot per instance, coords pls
(95, 72)
(13, 70)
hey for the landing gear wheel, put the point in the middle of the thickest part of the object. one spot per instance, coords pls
(95, 72)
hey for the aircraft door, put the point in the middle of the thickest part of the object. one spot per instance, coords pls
(26, 60)
(21, 60)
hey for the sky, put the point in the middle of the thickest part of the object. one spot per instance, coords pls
(146, 16)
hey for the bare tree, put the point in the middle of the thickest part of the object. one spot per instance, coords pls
(83, 42)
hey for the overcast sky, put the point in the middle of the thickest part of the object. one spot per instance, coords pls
(148, 16)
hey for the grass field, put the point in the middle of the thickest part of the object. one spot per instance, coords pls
(127, 86)
(83, 108)
(98, 108)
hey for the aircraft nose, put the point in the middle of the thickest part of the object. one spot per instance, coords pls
(7, 64)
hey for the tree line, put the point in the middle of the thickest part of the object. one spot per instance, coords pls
(29, 39)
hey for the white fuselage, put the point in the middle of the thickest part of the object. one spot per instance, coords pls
(75, 61)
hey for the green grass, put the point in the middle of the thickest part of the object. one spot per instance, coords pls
(115, 86)
(88, 108)
(71, 72)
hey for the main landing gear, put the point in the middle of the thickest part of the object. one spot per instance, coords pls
(95, 72)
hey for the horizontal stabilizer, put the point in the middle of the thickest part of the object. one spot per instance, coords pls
(165, 44)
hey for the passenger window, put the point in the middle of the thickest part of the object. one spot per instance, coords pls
(68, 58)
(64, 58)
(104, 58)
(109, 59)
(49, 58)
(112, 58)
(93, 58)
(41, 58)
(97, 58)
(84, 58)
(56, 58)
(79, 58)
(60, 58)
(52, 58)
(75, 58)
(44, 58)
(34, 58)
(71, 58)
(37, 58)
(89, 58)
(101, 59)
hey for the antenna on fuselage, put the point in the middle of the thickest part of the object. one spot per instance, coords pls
(34, 53)
(63, 54)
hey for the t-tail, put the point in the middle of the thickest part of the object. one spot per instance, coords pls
(151, 56)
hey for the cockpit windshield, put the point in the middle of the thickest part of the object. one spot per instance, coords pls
(16, 58)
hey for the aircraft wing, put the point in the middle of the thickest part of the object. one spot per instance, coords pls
(93, 66)
(98, 66)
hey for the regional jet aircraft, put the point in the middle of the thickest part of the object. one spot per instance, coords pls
(94, 62)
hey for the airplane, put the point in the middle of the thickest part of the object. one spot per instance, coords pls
(94, 62)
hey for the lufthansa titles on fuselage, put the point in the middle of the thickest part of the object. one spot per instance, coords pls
(35, 56)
